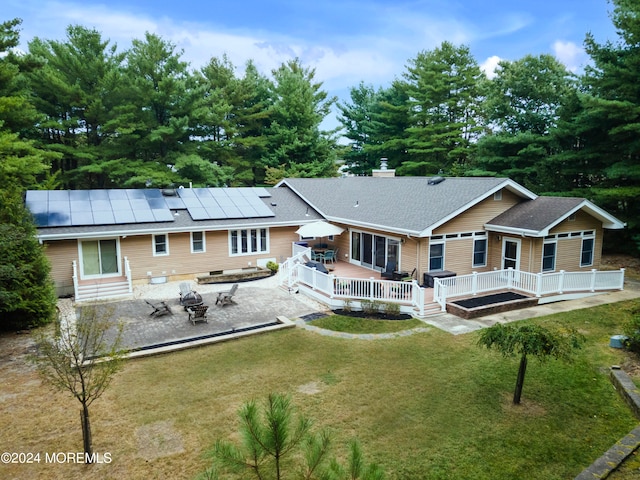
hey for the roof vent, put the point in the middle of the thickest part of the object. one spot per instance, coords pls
(169, 192)
(435, 180)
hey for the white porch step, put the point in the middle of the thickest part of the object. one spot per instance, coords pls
(101, 291)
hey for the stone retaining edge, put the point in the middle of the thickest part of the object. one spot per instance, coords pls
(614, 457)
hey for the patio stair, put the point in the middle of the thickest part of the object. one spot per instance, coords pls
(432, 308)
(101, 291)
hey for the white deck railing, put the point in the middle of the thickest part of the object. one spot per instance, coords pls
(74, 277)
(287, 270)
(127, 274)
(335, 291)
(537, 284)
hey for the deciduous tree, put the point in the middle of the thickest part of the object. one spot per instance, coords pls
(529, 340)
(81, 357)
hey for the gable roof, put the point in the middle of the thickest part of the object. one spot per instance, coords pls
(406, 205)
(538, 216)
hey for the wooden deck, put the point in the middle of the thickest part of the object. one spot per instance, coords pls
(349, 270)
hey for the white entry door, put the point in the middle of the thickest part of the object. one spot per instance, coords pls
(511, 253)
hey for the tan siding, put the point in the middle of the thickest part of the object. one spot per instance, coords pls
(475, 218)
(458, 256)
(568, 251)
(583, 221)
(181, 263)
(61, 254)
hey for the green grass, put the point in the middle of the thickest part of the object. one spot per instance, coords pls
(344, 323)
(428, 406)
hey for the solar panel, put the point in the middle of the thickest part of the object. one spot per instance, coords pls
(221, 203)
(55, 208)
(121, 206)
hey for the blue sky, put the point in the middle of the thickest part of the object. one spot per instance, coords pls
(346, 41)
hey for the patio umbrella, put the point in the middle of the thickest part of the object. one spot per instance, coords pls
(319, 229)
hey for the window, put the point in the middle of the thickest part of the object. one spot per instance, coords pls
(498, 195)
(197, 242)
(247, 241)
(549, 257)
(160, 245)
(480, 252)
(586, 256)
(436, 257)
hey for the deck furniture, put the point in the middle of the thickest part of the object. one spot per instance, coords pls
(329, 256)
(429, 277)
(388, 271)
(188, 296)
(225, 298)
(159, 308)
(198, 313)
(318, 266)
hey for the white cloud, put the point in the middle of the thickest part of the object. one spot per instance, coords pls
(571, 55)
(490, 65)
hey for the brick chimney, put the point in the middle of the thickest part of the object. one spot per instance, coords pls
(383, 171)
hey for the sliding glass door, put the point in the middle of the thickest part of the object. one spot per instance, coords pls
(99, 258)
(374, 251)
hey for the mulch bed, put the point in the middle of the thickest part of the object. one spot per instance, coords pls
(372, 316)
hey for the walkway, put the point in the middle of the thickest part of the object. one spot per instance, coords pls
(547, 306)
(261, 306)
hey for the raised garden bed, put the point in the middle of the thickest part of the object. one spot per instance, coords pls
(489, 304)
(237, 275)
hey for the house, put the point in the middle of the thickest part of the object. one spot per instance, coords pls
(459, 225)
(105, 240)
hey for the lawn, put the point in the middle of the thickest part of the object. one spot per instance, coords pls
(347, 324)
(426, 406)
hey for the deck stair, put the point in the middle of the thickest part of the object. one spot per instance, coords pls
(88, 292)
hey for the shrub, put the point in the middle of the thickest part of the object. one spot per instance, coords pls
(391, 309)
(346, 305)
(273, 266)
(370, 306)
(632, 331)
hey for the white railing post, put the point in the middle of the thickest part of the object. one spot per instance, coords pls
(127, 274)
(539, 284)
(75, 279)
(371, 283)
(593, 279)
(561, 282)
(510, 277)
(622, 279)
(474, 283)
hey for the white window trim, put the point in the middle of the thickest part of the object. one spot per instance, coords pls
(204, 243)
(486, 252)
(555, 257)
(153, 244)
(264, 251)
(593, 250)
(444, 248)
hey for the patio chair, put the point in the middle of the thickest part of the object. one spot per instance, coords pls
(329, 256)
(159, 308)
(317, 256)
(198, 313)
(388, 271)
(226, 297)
(188, 296)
